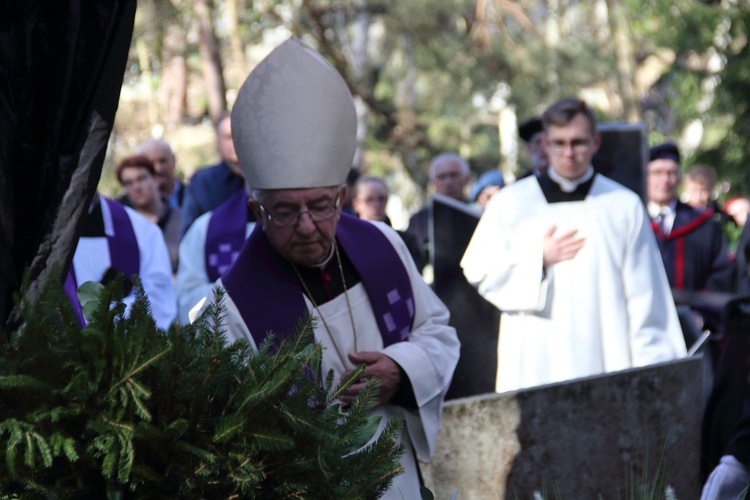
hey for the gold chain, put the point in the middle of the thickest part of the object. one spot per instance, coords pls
(348, 305)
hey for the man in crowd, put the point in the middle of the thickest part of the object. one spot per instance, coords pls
(699, 187)
(116, 239)
(569, 258)
(210, 187)
(138, 179)
(162, 156)
(532, 132)
(691, 242)
(449, 174)
(369, 202)
(294, 126)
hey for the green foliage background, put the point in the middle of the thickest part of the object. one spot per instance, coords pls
(431, 68)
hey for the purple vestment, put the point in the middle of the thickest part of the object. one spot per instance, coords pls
(124, 255)
(268, 295)
(225, 235)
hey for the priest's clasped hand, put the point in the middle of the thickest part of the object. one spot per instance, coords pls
(377, 365)
(560, 248)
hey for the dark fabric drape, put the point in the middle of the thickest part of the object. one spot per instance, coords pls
(61, 69)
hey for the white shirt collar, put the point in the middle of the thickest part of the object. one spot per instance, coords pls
(654, 209)
(667, 213)
(570, 185)
(323, 264)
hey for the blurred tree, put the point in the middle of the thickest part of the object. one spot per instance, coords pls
(213, 73)
(425, 72)
(729, 143)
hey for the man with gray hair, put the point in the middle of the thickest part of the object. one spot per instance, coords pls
(691, 242)
(449, 175)
(161, 155)
(294, 127)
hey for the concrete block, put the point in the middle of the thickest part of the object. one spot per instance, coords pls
(597, 437)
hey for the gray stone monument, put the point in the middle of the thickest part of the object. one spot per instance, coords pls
(623, 155)
(608, 436)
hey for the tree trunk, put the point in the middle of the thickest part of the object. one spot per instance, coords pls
(237, 49)
(360, 71)
(625, 60)
(212, 68)
(174, 78)
(552, 40)
(144, 61)
(406, 98)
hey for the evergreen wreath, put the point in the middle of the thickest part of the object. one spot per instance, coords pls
(122, 409)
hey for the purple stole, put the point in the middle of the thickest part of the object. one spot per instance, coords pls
(225, 235)
(71, 290)
(269, 297)
(124, 255)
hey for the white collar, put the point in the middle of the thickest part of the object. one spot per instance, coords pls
(570, 185)
(323, 264)
(654, 209)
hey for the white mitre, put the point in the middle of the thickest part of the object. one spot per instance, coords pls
(294, 124)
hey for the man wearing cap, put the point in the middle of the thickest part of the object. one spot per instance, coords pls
(691, 242)
(532, 131)
(576, 273)
(294, 127)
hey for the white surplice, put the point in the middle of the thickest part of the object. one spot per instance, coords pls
(92, 259)
(428, 357)
(192, 279)
(607, 309)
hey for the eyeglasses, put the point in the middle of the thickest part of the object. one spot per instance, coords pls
(576, 145)
(317, 214)
(663, 173)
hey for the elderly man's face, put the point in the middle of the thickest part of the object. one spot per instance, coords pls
(163, 159)
(662, 179)
(301, 223)
(449, 178)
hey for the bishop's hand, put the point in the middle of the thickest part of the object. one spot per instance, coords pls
(377, 365)
(561, 247)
